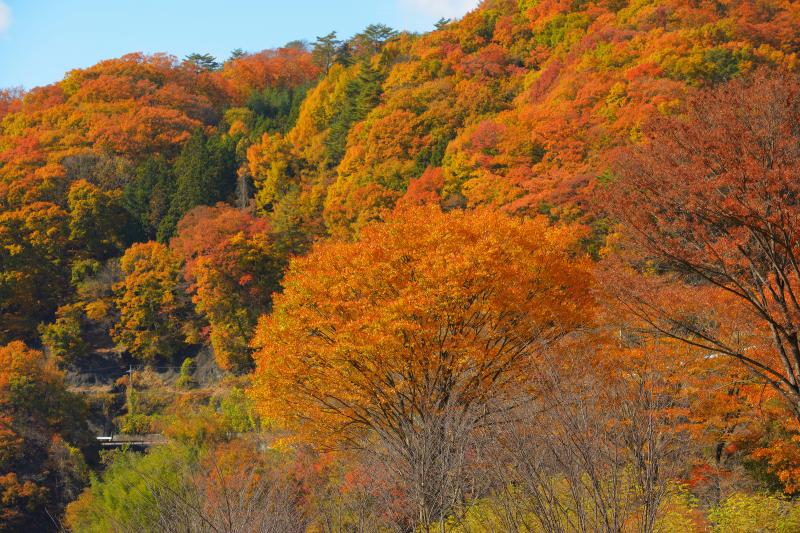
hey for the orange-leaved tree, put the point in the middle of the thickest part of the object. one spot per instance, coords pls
(425, 328)
(233, 268)
(41, 423)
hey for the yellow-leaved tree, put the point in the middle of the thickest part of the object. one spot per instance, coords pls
(155, 314)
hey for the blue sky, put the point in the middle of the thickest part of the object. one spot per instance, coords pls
(40, 40)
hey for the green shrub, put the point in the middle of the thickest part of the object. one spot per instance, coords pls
(742, 513)
(64, 337)
(124, 498)
(237, 411)
(136, 424)
(186, 378)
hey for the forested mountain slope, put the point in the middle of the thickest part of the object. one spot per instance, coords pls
(517, 105)
(339, 245)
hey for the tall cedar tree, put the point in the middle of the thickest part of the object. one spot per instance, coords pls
(205, 174)
(149, 195)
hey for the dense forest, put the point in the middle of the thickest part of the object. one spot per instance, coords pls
(537, 270)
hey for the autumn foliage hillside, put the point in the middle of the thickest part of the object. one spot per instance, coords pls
(519, 103)
(537, 269)
(129, 107)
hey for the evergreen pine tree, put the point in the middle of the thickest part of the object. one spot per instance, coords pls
(371, 40)
(202, 62)
(325, 50)
(237, 53)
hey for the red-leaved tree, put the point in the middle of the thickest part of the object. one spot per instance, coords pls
(713, 197)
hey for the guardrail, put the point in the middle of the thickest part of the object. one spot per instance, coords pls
(152, 439)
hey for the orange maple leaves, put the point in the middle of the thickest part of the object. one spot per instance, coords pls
(427, 304)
